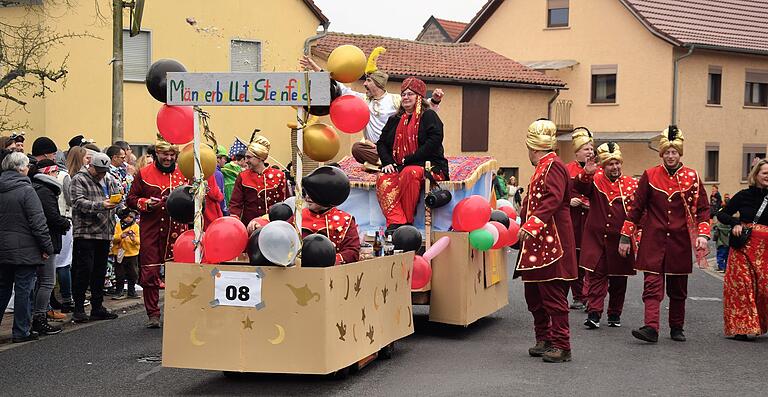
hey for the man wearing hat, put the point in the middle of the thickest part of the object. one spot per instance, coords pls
(93, 226)
(148, 195)
(674, 207)
(221, 160)
(611, 195)
(547, 259)
(258, 187)
(16, 142)
(583, 149)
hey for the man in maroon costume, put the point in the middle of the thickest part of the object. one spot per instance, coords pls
(258, 187)
(583, 149)
(676, 221)
(148, 194)
(547, 258)
(612, 195)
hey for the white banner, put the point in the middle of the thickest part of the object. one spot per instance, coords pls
(249, 89)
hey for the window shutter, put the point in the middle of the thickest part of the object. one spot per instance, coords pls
(474, 118)
(757, 76)
(136, 56)
(604, 69)
(555, 4)
(245, 56)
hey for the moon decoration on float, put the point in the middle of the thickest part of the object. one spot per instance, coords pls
(280, 335)
(193, 337)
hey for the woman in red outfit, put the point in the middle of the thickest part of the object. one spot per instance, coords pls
(745, 287)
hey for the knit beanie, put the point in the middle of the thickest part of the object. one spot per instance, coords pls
(43, 146)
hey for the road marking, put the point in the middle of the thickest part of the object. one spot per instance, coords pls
(156, 369)
(704, 298)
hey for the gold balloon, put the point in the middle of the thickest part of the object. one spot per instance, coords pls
(321, 142)
(346, 63)
(187, 161)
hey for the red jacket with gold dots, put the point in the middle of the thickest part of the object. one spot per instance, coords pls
(549, 252)
(609, 203)
(339, 227)
(158, 231)
(676, 209)
(254, 193)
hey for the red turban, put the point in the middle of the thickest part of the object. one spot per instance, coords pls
(414, 85)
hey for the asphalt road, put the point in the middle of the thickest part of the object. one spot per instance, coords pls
(488, 358)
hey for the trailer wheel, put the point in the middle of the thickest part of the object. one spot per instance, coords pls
(386, 351)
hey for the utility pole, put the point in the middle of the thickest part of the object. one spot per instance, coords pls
(117, 70)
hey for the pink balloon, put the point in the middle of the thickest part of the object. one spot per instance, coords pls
(514, 228)
(184, 247)
(503, 235)
(492, 229)
(437, 247)
(176, 123)
(225, 239)
(474, 214)
(421, 274)
(511, 213)
(349, 113)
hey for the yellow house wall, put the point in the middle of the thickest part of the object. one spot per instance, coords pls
(84, 104)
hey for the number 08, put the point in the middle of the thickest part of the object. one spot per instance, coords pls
(232, 293)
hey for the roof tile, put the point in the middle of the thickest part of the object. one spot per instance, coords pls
(453, 28)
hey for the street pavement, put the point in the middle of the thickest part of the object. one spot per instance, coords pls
(119, 358)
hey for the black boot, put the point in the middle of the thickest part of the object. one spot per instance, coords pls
(41, 326)
(677, 335)
(646, 333)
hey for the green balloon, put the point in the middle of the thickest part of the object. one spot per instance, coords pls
(481, 239)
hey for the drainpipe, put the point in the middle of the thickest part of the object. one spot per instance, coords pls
(551, 101)
(674, 82)
(309, 40)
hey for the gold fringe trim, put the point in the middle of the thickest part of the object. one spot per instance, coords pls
(468, 183)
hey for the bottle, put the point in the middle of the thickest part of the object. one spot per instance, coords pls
(389, 247)
(377, 245)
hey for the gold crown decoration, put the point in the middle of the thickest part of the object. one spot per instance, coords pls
(161, 145)
(260, 147)
(609, 151)
(580, 137)
(542, 135)
(671, 137)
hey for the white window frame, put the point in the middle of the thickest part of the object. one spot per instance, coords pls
(261, 51)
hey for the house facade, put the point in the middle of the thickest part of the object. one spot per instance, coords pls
(621, 60)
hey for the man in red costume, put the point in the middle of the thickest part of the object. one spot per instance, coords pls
(611, 195)
(547, 258)
(584, 149)
(148, 194)
(676, 221)
(258, 187)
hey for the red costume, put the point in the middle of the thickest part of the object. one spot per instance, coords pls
(158, 230)
(547, 258)
(607, 270)
(213, 198)
(255, 192)
(339, 227)
(579, 220)
(676, 211)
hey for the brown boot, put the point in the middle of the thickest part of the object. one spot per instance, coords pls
(555, 355)
(541, 347)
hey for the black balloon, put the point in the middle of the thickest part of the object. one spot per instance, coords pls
(325, 110)
(501, 217)
(327, 186)
(280, 212)
(156, 77)
(407, 238)
(317, 251)
(254, 253)
(181, 204)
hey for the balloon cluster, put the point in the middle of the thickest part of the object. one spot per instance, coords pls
(175, 123)
(224, 240)
(488, 228)
(349, 113)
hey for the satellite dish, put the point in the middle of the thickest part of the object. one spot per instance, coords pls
(137, 11)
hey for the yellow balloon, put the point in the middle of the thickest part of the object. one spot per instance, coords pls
(187, 161)
(346, 63)
(321, 142)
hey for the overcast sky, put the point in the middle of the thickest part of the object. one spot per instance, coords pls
(393, 18)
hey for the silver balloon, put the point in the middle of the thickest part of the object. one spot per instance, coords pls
(291, 202)
(279, 242)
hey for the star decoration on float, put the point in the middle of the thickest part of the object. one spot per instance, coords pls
(247, 323)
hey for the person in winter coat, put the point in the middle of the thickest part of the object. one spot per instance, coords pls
(25, 242)
(44, 177)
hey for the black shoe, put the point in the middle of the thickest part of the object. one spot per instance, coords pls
(614, 320)
(32, 336)
(67, 307)
(578, 305)
(41, 326)
(555, 355)
(80, 317)
(592, 321)
(677, 335)
(646, 333)
(744, 338)
(102, 314)
(540, 348)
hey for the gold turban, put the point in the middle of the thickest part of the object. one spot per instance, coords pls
(161, 145)
(542, 135)
(260, 147)
(607, 152)
(580, 137)
(672, 137)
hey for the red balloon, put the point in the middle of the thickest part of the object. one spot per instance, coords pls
(349, 113)
(422, 272)
(225, 239)
(511, 213)
(474, 214)
(184, 247)
(456, 223)
(176, 124)
(514, 228)
(503, 235)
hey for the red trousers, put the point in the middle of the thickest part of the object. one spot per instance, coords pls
(653, 294)
(149, 279)
(600, 285)
(399, 193)
(548, 302)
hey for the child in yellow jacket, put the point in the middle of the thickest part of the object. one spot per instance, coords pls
(125, 246)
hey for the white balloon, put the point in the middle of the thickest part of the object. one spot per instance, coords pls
(503, 203)
(291, 202)
(490, 228)
(279, 242)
